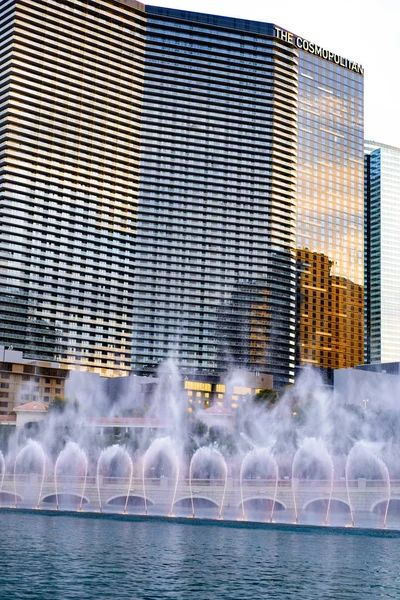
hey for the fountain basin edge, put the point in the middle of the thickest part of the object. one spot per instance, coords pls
(197, 521)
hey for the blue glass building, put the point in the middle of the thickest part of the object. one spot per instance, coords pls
(382, 253)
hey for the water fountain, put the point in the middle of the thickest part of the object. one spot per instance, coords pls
(29, 473)
(364, 465)
(274, 463)
(161, 462)
(70, 473)
(208, 465)
(2, 471)
(260, 467)
(313, 466)
(114, 465)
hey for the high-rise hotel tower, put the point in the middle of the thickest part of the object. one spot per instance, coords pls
(177, 182)
(382, 253)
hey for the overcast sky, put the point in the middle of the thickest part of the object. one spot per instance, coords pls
(362, 30)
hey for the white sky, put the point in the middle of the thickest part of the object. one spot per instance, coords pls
(365, 31)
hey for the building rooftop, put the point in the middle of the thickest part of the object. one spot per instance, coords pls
(31, 407)
(371, 145)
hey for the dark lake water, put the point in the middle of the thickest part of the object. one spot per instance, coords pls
(65, 557)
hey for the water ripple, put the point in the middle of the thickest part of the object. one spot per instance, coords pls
(44, 558)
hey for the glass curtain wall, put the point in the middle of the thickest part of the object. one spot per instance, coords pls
(72, 92)
(382, 265)
(330, 215)
(215, 264)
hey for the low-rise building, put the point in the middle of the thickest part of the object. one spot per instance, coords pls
(25, 380)
(375, 386)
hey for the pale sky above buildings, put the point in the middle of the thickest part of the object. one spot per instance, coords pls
(365, 31)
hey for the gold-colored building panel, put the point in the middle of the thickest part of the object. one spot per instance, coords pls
(331, 333)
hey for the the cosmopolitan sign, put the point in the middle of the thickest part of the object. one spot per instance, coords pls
(312, 48)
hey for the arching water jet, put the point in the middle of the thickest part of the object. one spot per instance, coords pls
(313, 463)
(363, 462)
(115, 460)
(159, 457)
(70, 472)
(260, 463)
(30, 460)
(206, 463)
(3, 470)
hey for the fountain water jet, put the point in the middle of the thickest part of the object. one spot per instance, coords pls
(207, 457)
(114, 454)
(154, 459)
(3, 470)
(27, 459)
(312, 462)
(260, 457)
(363, 462)
(71, 458)
(301, 412)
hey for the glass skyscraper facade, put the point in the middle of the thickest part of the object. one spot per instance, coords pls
(178, 183)
(330, 214)
(71, 89)
(382, 252)
(215, 271)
